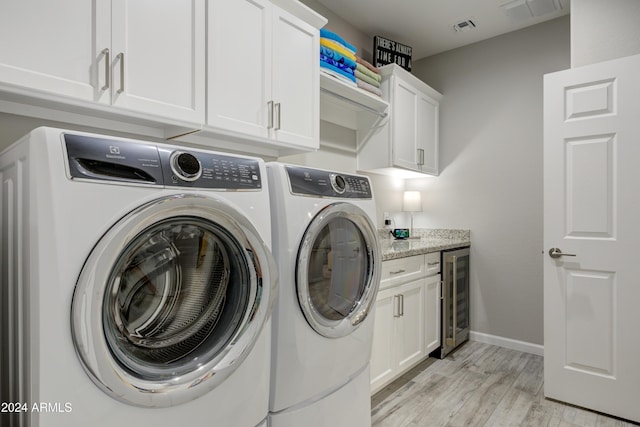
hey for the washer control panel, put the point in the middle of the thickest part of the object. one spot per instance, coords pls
(321, 183)
(127, 161)
(190, 168)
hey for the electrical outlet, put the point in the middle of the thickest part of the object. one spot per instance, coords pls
(387, 219)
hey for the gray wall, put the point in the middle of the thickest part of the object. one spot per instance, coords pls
(491, 169)
(603, 30)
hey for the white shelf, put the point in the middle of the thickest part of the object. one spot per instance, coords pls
(349, 106)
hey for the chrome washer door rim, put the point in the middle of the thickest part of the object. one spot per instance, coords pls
(339, 328)
(87, 306)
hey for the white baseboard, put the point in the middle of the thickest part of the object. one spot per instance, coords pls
(509, 343)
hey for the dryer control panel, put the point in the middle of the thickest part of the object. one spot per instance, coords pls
(322, 183)
(137, 162)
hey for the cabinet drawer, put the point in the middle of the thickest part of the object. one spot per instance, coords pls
(402, 270)
(433, 263)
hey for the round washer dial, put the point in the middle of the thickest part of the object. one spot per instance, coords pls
(186, 166)
(338, 183)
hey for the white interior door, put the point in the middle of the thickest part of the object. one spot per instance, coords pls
(592, 210)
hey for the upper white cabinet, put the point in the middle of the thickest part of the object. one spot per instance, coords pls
(141, 55)
(238, 92)
(408, 141)
(273, 90)
(47, 46)
(157, 57)
(230, 74)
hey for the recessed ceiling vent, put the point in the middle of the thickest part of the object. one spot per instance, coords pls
(466, 25)
(522, 10)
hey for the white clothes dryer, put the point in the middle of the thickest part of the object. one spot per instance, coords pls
(137, 284)
(326, 247)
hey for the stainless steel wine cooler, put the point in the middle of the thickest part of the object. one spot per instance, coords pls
(455, 299)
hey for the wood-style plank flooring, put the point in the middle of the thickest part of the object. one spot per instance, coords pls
(478, 385)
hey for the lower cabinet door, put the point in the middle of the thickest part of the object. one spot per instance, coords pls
(432, 308)
(411, 324)
(399, 332)
(383, 355)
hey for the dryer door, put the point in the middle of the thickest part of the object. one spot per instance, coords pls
(338, 270)
(171, 300)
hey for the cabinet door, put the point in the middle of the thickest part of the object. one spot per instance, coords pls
(157, 57)
(404, 134)
(383, 348)
(48, 46)
(427, 134)
(296, 80)
(238, 93)
(411, 330)
(432, 313)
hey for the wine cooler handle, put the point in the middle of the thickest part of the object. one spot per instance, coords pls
(455, 299)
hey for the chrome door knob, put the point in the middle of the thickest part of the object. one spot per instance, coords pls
(557, 253)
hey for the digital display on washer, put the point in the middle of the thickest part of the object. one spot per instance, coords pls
(190, 168)
(315, 182)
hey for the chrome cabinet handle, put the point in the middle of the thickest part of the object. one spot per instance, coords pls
(396, 306)
(277, 109)
(557, 253)
(107, 68)
(433, 263)
(397, 271)
(401, 305)
(121, 59)
(270, 114)
(420, 156)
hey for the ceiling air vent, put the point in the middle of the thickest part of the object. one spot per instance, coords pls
(522, 10)
(466, 25)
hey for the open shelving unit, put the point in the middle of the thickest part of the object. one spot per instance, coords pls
(349, 106)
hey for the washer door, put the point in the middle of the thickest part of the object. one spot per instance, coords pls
(338, 270)
(171, 300)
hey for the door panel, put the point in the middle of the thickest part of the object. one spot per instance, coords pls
(432, 316)
(238, 94)
(427, 133)
(590, 314)
(590, 191)
(296, 80)
(405, 129)
(383, 351)
(412, 325)
(591, 156)
(48, 45)
(157, 57)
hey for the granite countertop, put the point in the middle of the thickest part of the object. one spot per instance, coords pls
(426, 241)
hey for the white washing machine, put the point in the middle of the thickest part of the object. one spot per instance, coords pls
(137, 284)
(326, 247)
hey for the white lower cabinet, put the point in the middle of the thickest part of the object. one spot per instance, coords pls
(407, 317)
(432, 317)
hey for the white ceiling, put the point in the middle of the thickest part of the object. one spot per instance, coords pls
(427, 25)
